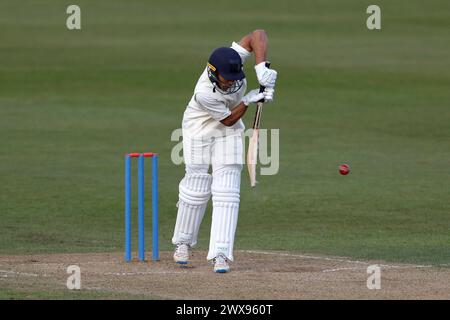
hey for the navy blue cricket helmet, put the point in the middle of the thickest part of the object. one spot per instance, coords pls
(227, 63)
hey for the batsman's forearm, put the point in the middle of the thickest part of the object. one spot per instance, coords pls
(256, 42)
(235, 115)
(259, 45)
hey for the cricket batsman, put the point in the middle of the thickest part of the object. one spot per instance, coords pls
(212, 136)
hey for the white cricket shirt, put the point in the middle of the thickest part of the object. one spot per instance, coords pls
(207, 107)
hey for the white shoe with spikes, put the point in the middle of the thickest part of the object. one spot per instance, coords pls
(221, 264)
(182, 254)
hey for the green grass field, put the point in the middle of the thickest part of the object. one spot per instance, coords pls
(73, 102)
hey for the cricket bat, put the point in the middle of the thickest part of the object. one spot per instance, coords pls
(252, 154)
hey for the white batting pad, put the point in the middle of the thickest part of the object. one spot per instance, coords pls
(195, 191)
(225, 194)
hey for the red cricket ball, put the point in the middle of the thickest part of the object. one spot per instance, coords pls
(344, 169)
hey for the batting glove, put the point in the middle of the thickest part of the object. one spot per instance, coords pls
(266, 77)
(252, 96)
(268, 94)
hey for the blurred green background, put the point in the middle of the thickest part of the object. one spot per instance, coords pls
(72, 103)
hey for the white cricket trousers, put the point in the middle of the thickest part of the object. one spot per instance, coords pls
(225, 155)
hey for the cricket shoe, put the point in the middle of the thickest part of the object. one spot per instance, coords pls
(182, 254)
(221, 264)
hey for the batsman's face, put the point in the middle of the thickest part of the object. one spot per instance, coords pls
(224, 83)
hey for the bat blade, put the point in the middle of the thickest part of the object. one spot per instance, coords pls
(252, 156)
